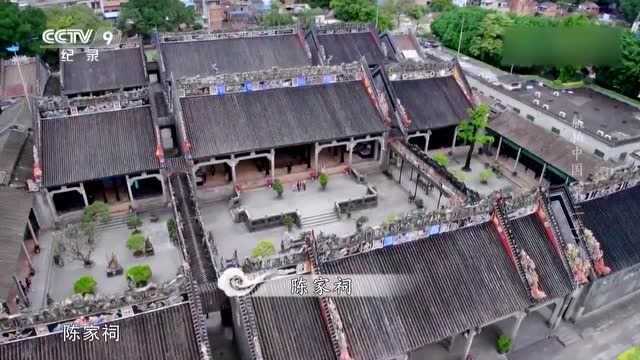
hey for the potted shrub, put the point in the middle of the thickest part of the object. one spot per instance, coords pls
(134, 222)
(441, 159)
(503, 344)
(85, 285)
(324, 180)
(263, 249)
(277, 187)
(288, 221)
(485, 175)
(139, 275)
(135, 243)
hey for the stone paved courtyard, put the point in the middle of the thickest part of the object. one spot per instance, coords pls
(230, 236)
(164, 264)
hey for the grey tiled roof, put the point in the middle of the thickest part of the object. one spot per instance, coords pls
(95, 146)
(529, 235)
(115, 69)
(233, 55)
(231, 123)
(432, 103)
(10, 153)
(460, 279)
(349, 47)
(15, 205)
(165, 334)
(613, 220)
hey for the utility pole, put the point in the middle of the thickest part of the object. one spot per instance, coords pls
(14, 49)
(460, 39)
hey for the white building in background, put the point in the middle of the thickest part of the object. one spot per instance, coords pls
(460, 3)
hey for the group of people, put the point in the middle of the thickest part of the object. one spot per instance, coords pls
(301, 185)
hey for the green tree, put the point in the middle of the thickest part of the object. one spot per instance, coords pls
(441, 159)
(85, 285)
(472, 131)
(21, 26)
(139, 275)
(288, 221)
(319, 3)
(135, 243)
(416, 11)
(361, 11)
(74, 17)
(278, 187)
(441, 5)
(488, 45)
(630, 9)
(92, 215)
(134, 221)
(631, 354)
(323, 179)
(274, 18)
(143, 16)
(263, 249)
(624, 78)
(447, 27)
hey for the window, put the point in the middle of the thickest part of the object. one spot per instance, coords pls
(598, 153)
(516, 110)
(532, 119)
(555, 130)
(623, 156)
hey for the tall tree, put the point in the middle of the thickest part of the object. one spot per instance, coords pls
(441, 5)
(143, 16)
(488, 45)
(361, 11)
(630, 9)
(21, 26)
(74, 17)
(624, 78)
(472, 131)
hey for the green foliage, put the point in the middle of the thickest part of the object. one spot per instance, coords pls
(485, 175)
(503, 344)
(277, 187)
(441, 159)
(416, 12)
(143, 16)
(625, 78)
(458, 174)
(488, 45)
(361, 11)
(288, 221)
(630, 9)
(172, 228)
(135, 243)
(96, 212)
(74, 17)
(134, 221)
(441, 5)
(274, 18)
(85, 285)
(632, 353)
(21, 26)
(472, 129)
(263, 249)
(323, 179)
(139, 274)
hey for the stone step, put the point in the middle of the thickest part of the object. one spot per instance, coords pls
(319, 219)
(567, 336)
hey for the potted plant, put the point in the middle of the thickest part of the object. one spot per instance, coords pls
(263, 248)
(85, 285)
(503, 344)
(277, 187)
(139, 275)
(485, 175)
(288, 221)
(324, 180)
(134, 222)
(135, 243)
(441, 159)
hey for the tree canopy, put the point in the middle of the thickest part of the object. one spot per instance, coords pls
(364, 11)
(21, 26)
(472, 131)
(263, 249)
(441, 5)
(143, 16)
(74, 17)
(274, 18)
(630, 9)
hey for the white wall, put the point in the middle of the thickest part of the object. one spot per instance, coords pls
(589, 143)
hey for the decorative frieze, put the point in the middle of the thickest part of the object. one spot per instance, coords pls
(531, 275)
(603, 186)
(61, 106)
(343, 28)
(223, 35)
(579, 266)
(415, 71)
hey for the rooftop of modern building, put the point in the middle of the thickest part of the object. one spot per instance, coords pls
(610, 120)
(114, 69)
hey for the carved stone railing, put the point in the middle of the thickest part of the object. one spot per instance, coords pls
(269, 79)
(60, 106)
(223, 35)
(415, 71)
(618, 181)
(370, 199)
(147, 298)
(343, 28)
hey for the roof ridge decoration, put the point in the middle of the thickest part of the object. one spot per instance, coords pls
(343, 28)
(411, 70)
(251, 329)
(269, 79)
(524, 265)
(62, 106)
(225, 35)
(328, 308)
(596, 253)
(569, 253)
(617, 181)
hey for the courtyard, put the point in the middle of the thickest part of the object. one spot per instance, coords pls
(112, 239)
(316, 207)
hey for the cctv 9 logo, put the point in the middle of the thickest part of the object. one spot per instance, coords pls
(78, 37)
